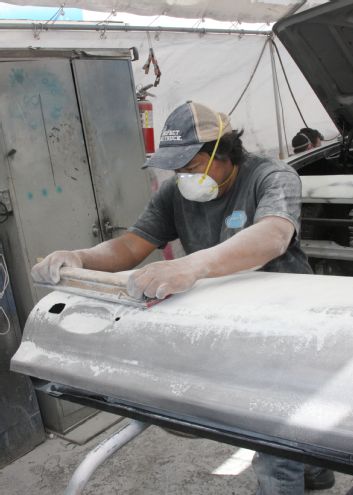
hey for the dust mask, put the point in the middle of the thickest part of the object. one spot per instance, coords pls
(197, 187)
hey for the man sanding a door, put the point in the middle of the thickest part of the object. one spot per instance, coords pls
(232, 211)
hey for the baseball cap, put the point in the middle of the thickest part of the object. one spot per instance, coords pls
(186, 130)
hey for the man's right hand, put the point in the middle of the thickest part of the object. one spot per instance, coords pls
(48, 270)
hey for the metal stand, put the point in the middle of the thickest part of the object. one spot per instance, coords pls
(100, 453)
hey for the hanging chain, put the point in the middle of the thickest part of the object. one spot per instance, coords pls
(152, 59)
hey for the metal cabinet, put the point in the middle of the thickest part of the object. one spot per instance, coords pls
(71, 151)
(111, 124)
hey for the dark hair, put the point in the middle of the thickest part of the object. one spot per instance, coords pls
(230, 146)
(304, 138)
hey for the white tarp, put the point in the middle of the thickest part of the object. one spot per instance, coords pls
(222, 10)
(212, 69)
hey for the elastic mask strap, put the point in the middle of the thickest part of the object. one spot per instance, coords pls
(214, 150)
(302, 145)
(227, 180)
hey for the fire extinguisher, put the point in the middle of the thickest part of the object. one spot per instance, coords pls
(146, 115)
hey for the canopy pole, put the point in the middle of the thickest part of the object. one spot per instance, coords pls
(281, 153)
(42, 27)
(100, 454)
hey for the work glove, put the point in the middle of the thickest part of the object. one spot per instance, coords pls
(162, 278)
(48, 270)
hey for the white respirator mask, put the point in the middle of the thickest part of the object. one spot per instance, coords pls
(197, 187)
(201, 187)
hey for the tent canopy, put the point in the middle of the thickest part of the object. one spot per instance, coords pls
(223, 10)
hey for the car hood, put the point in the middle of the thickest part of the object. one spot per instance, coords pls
(320, 40)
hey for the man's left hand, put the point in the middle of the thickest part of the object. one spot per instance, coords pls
(162, 278)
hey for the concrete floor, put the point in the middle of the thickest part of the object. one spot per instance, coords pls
(155, 463)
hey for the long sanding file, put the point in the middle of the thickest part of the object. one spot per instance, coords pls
(106, 286)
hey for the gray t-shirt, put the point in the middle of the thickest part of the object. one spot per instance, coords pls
(264, 187)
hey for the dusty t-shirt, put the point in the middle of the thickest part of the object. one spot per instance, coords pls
(263, 187)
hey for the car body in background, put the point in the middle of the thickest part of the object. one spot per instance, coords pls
(320, 40)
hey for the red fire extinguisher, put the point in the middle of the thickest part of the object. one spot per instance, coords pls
(146, 114)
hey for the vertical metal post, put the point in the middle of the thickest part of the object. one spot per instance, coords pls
(281, 153)
(100, 454)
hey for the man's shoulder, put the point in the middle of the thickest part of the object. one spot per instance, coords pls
(168, 186)
(263, 165)
(166, 195)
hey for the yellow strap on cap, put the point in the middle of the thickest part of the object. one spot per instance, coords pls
(214, 150)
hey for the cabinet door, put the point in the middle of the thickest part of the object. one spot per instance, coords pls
(114, 140)
(48, 172)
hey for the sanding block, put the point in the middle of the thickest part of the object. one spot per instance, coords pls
(106, 286)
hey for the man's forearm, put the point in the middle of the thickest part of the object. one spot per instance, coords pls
(122, 253)
(104, 257)
(251, 248)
